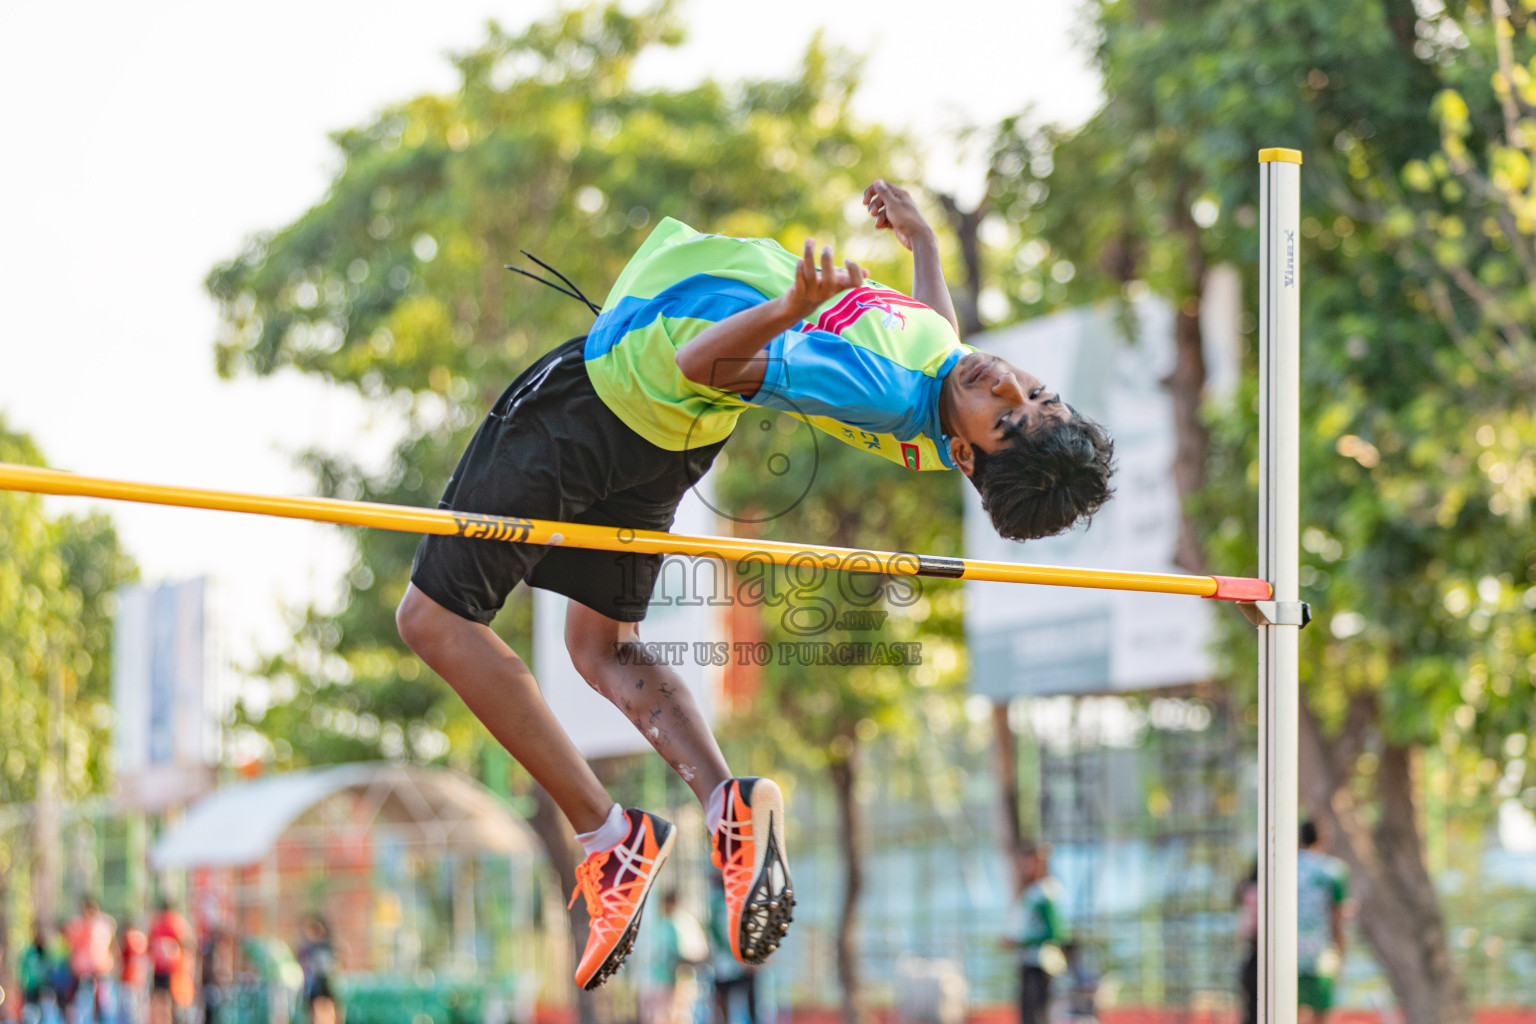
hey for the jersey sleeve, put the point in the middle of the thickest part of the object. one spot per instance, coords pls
(864, 397)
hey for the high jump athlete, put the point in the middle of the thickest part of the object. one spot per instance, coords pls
(611, 429)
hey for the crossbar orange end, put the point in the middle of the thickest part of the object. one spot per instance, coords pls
(1240, 588)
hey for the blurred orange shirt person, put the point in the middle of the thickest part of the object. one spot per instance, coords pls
(170, 939)
(135, 970)
(90, 941)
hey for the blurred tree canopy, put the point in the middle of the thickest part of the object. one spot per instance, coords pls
(1417, 436)
(393, 284)
(56, 585)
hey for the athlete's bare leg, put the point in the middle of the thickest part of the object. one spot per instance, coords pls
(650, 694)
(499, 688)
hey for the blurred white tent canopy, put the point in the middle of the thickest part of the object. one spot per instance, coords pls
(239, 824)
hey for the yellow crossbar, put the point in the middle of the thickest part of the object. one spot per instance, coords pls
(409, 519)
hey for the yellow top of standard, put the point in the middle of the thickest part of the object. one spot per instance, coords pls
(1285, 156)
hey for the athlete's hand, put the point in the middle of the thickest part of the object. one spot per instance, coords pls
(895, 209)
(813, 286)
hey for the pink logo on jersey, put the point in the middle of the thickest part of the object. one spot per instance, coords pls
(854, 304)
(891, 314)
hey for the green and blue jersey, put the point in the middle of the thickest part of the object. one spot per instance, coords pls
(866, 368)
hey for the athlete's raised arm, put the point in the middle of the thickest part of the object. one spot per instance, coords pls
(893, 208)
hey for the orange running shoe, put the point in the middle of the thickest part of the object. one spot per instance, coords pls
(749, 851)
(616, 883)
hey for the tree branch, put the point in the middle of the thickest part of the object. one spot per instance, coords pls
(1508, 101)
(966, 225)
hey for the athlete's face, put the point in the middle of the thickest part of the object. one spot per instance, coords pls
(984, 395)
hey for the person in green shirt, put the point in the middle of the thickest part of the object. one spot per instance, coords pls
(44, 964)
(1322, 884)
(1041, 933)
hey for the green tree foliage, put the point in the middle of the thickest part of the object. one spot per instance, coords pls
(1417, 477)
(56, 586)
(393, 284)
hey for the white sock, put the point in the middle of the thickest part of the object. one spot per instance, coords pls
(607, 835)
(715, 809)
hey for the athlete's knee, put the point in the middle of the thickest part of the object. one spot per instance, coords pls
(592, 661)
(596, 652)
(418, 619)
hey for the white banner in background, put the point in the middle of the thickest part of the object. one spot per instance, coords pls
(1053, 640)
(165, 732)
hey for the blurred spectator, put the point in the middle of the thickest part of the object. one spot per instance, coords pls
(65, 983)
(1322, 882)
(133, 978)
(671, 993)
(42, 965)
(170, 963)
(317, 956)
(33, 974)
(1040, 933)
(217, 962)
(1248, 941)
(90, 957)
(735, 983)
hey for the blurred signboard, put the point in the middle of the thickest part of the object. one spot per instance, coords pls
(683, 623)
(1060, 640)
(165, 736)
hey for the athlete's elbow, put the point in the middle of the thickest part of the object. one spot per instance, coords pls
(689, 367)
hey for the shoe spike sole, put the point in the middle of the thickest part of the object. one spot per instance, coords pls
(766, 914)
(619, 954)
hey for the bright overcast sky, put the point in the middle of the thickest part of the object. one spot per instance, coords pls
(146, 141)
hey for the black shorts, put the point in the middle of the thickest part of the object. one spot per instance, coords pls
(161, 982)
(552, 449)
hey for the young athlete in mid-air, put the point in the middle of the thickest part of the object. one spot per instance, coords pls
(613, 428)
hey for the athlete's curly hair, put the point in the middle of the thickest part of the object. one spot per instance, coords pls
(1046, 479)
